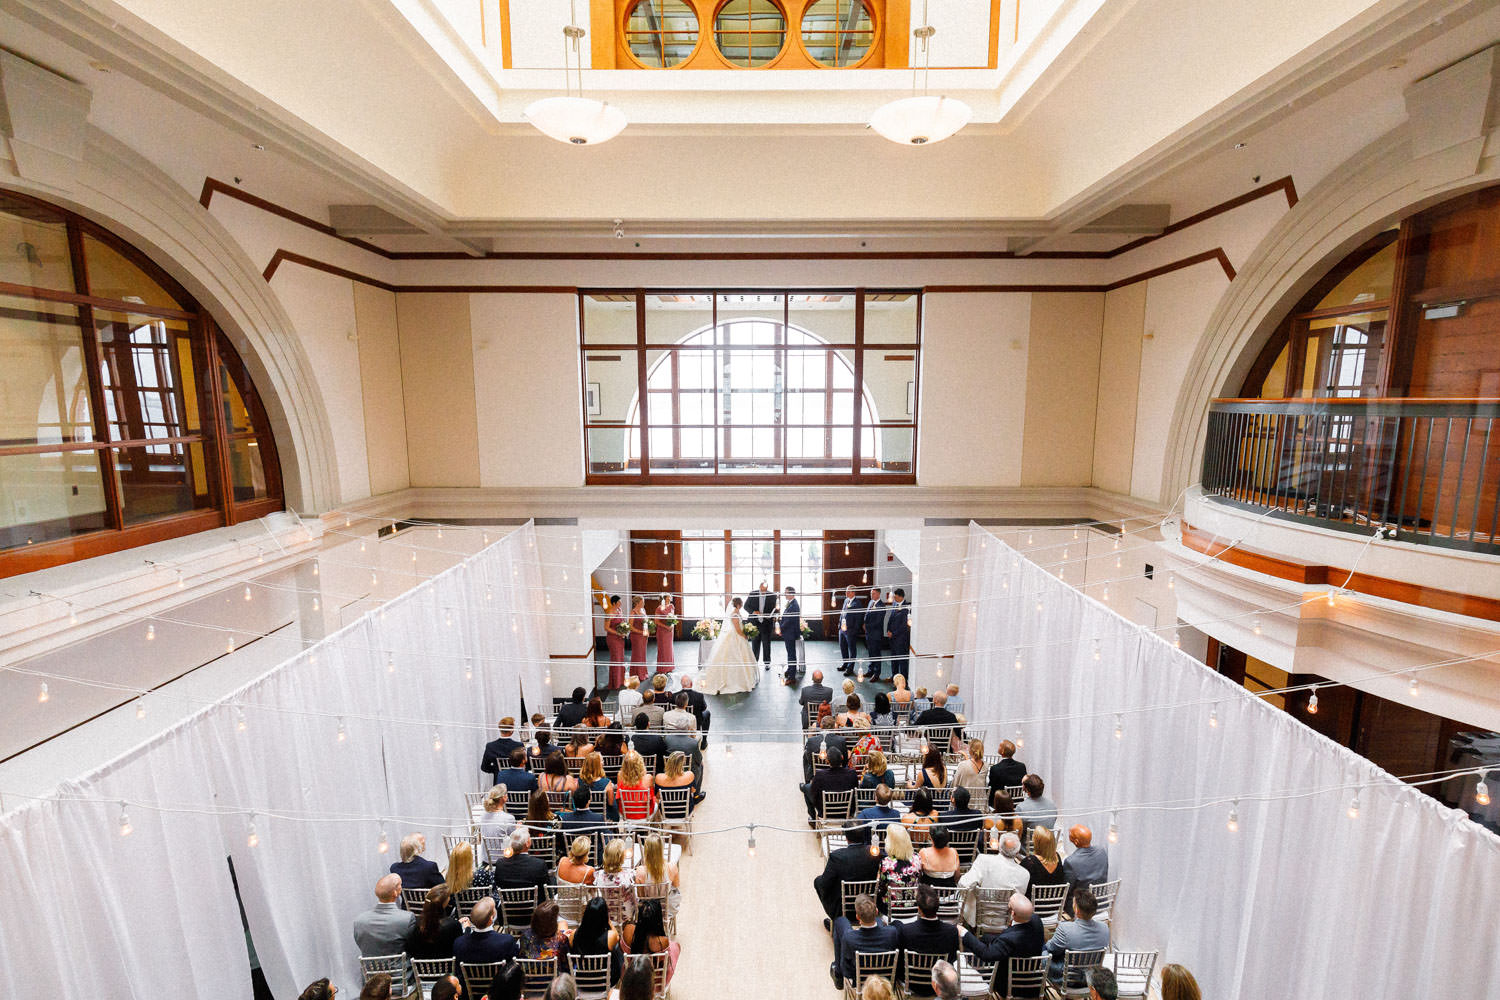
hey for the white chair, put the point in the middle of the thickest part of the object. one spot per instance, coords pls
(1105, 893)
(474, 800)
(901, 902)
(1047, 903)
(1132, 971)
(494, 846)
(464, 900)
(1074, 982)
(916, 967)
(620, 899)
(1017, 793)
(413, 899)
(661, 967)
(516, 803)
(1026, 979)
(966, 843)
(677, 812)
(850, 891)
(868, 964)
(570, 900)
(836, 807)
(477, 976)
(398, 967)
(452, 840)
(516, 906)
(538, 973)
(430, 970)
(591, 973)
(991, 910)
(950, 904)
(662, 893)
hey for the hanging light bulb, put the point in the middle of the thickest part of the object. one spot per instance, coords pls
(1105, 595)
(1331, 598)
(664, 548)
(874, 849)
(1312, 703)
(1098, 653)
(150, 631)
(343, 734)
(347, 521)
(750, 846)
(939, 671)
(617, 577)
(229, 644)
(468, 668)
(1481, 792)
(1019, 741)
(1117, 540)
(1119, 725)
(664, 580)
(1118, 562)
(248, 594)
(183, 583)
(140, 708)
(947, 590)
(1005, 583)
(373, 578)
(823, 748)
(864, 577)
(1213, 717)
(1176, 639)
(1114, 828)
(729, 749)
(1171, 581)
(1065, 553)
(579, 627)
(440, 534)
(260, 555)
(1413, 688)
(515, 624)
(484, 539)
(390, 663)
(125, 826)
(546, 596)
(385, 844)
(1354, 806)
(1234, 816)
(846, 548)
(413, 557)
(1018, 662)
(1255, 625)
(1039, 606)
(1029, 538)
(251, 838)
(42, 695)
(448, 617)
(72, 615)
(489, 594)
(940, 545)
(316, 605)
(239, 720)
(565, 576)
(548, 678)
(437, 740)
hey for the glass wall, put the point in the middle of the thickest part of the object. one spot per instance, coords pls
(719, 565)
(125, 416)
(750, 386)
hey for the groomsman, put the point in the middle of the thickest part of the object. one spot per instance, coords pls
(789, 627)
(874, 616)
(758, 610)
(851, 623)
(898, 634)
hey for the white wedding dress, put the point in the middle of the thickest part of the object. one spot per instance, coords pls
(730, 667)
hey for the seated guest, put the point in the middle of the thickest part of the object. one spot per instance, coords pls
(582, 819)
(592, 777)
(1036, 809)
(898, 869)
(654, 866)
(1102, 983)
(482, 942)
(416, 871)
(508, 983)
(839, 704)
(570, 714)
(376, 987)
(815, 693)
(938, 861)
(562, 987)
(836, 777)
(699, 706)
(521, 868)
(1082, 933)
(959, 816)
(928, 934)
(970, 772)
(447, 988)
(635, 808)
(546, 937)
(853, 863)
(647, 743)
(877, 772)
(497, 752)
(647, 935)
(436, 928)
(818, 745)
(934, 774)
(938, 714)
(901, 695)
(1177, 983)
(920, 703)
(1088, 865)
(556, 777)
(1007, 772)
(1003, 819)
(630, 698)
(318, 989)
(385, 929)
(683, 740)
(881, 813)
(1043, 864)
(463, 873)
(995, 871)
(883, 717)
(594, 936)
(543, 822)
(594, 717)
(680, 717)
(574, 866)
(869, 933)
(675, 774)
(946, 984)
(611, 742)
(854, 718)
(922, 813)
(1024, 938)
(541, 747)
(877, 987)
(955, 703)
(579, 746)
(614, 872)
(638, 981)
(654, 708)
(495, 822)
(517, 777)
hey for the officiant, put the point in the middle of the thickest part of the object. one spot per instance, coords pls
(760, 608)
(789, 627)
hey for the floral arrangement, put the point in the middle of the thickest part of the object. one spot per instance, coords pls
(623, 628)
(705, 629)
(668, 621)
(650, 627)
(751, 631)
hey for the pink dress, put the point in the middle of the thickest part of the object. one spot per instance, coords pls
(638, 644)
(664, 661)
(616, 643)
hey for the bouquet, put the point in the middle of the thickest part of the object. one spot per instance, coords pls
(806, 630)
(623, 628)
(669, 622)
(705, 629)
(650, 627)
(751, 631)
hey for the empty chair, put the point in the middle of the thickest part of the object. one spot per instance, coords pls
(430, 970)
(661, 967)
(464, 900)
(1132, 971)
(452, 840)
(559, 801)
(1075, 968)
(1047, 902)
(474, 800)
(403, 979)
(868, 964)
(975, 976)
(495, 846)
(677, 811)
(950, 904)
(991, 910)
(591, 973)
(850, 891)
(539, 973)
(1105, 893)
(916, 967)
(966, 843)
(516, 906)
(476, 976)
(901, 902)
(1027, 977)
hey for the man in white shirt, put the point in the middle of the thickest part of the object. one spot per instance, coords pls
(630, 698)
(994, 871)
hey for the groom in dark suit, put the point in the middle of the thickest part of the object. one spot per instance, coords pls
(789, 627)
(874, 616)
(898, 633)
(851, 624)
(758, 608)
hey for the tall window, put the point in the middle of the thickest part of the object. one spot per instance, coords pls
(745, 387)
(719, 565)
(125, 416)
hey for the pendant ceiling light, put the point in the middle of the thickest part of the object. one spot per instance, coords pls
(921, 119)
(575, 119)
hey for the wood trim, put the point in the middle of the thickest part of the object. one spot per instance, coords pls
(212, 186)
(44, 555)
(1309, 574)
(995, 33)
(1217, 254)
(288, 257)
(79, 299)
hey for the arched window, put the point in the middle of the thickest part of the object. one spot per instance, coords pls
(126, 416)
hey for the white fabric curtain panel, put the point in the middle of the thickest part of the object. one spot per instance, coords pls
(1302, 901)
(92, 912)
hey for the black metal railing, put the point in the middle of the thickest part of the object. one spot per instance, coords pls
(1430, 468)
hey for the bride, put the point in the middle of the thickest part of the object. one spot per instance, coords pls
(730, 667)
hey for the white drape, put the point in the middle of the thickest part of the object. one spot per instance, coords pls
(89, 912)
(1303, 901)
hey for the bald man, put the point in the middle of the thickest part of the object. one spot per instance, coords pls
(1088, 865)
(385, 929)
(1024, 938)
(482, 942)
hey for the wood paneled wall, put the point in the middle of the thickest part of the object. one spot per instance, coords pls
(841, 570)
(649, 564)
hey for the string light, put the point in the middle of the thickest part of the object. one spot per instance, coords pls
(72, 615)
(448, 617)
(940, 545)
(1105, 595)
(1213, 717)
(468, 668)
(1119, 561)
(750, 847)
(1312, 704)
(373, 578)
(316, 606)
(260, 555)
(1019, 741)
(1114, 828)
(1413, 688)
(548, 679)
(1255, 625)
(1176, 639)
(343, 733)
(1119, 725)
(1234, 816)
(437, 741)
(1098, 653)
(125, 826)
(1039, 605)
(42, 695)
(440, 534)
(580, 627)
(413, 557)
(1065, 554)
(484, 539)
(390, 663)
(140, 708)
(248, 594)
(729, 749)
(150, 631)
(239, 720)
(1029, 538)
(182, 583)
(361, 545)
(229, 644)
(1354, 806)
(846, 548)
(385, 844)
(1481, 792)
(664, 549)
(1018, 663)
(1075, 534)
(546, 594)
(664, 579)
(1331, 597)
(252, 839)
(1171, 581)
(864, 577)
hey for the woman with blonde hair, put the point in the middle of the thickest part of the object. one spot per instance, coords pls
(592, 777)
(575, 868)
(971, 770)
(654, 866)
(898, 869)
(635, 808)
(675, 774)
(876, 987)
(462, 873)
(900, 696)
(1178, 983)
(877, 771)
(496, 821)
(1043, 863)
(614, 872)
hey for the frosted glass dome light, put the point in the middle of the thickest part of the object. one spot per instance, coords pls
(579, 121)
(920, 121)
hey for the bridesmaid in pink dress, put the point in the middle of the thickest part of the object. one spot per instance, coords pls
(638, 638)
(666, 613)
(616, 642)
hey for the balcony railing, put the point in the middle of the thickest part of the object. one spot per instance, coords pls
(1427, 467)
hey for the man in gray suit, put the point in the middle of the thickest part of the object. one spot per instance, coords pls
(385, 929)
(1083, 933)
(1088, 865)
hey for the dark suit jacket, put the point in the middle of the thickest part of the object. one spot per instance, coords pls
(875, 624)
(936, 717)
(497, 754)
(516, 779)
(814, 744)
(847, 864)
(649, 743)
(832, 780)
(791, 620)
(881, 937)
(697, 703)
(969, 819)
(758, 607)
(570, 716)
(1016, 941)
(1006, 773)
(852, 616)
(418, 873)
(488, 946)
(933, 937)
(521, 870)
(898, 624)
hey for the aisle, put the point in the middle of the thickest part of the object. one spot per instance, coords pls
(752, 926)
